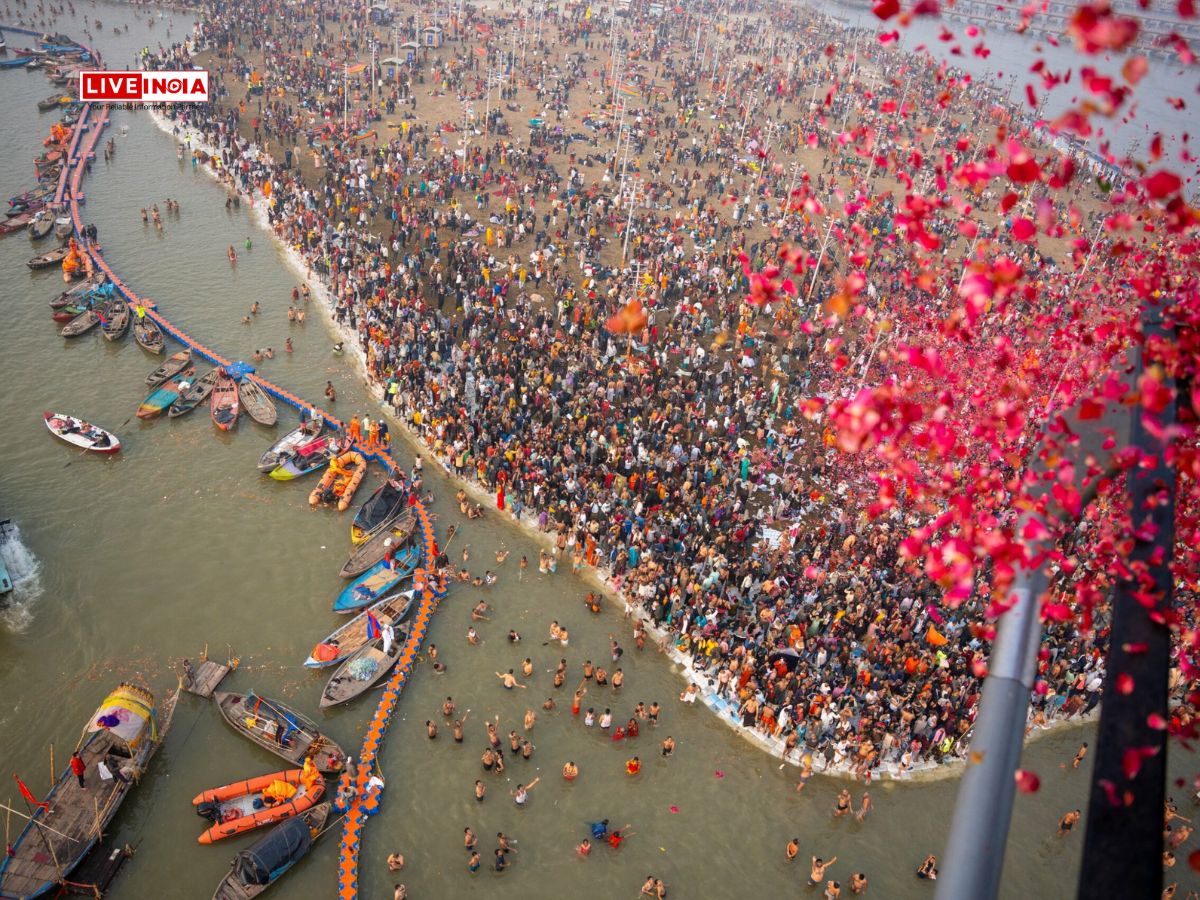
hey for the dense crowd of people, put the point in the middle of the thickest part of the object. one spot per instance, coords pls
(570, 319)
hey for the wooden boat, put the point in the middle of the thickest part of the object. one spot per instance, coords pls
(53, 102)
(176, 363)
(161, 398)
(194, 395)
(389, 501)
(81, 434)
(148, 335)
(75, 292)
(257, 403)
(15, 223)
(24, 202)
(390, 610)
(124, 733)
(81, 324)
(46, 260)
(340, 481)
(238, 807)
(267, 860)
(377, 581)
(371, 551)
(67, 313)
(280, 729)
(42, 224)
(64, 227)
(284, 447)
(307, 458)
(224, 402)
(365, 667)
(118, 317)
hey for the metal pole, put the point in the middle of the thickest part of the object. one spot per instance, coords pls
(979, 830)
(1123, 844)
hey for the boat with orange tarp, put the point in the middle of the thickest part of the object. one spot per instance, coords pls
(340, 481)
(246, 805)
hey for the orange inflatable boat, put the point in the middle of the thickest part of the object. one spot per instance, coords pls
(258, 801)
(340, 480)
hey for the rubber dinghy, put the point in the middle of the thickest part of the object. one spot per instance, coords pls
(246, 805)
(340, 481)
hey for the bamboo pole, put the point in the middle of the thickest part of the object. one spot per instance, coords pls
(96, 810)
(53, 771)
(10, 811)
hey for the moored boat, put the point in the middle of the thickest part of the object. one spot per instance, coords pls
(81, 434)
(377, 581)
(280, 729)
(196, 394)
(224, 402)
(15, 223)
(67, 313)
(306, 458)
(161, 398)
(175, 363)
(283, 447)
(64, 227)
(42, 224)
(73, 293)
(53, 102)
(46, 260)
(364, 668)
(255, 802)
(388, 502)
(117, 323)
(148, 335)
(340, 481)
(123, 734)
(257, 403)
(81, 324)
(372, 550)
(389, 610)
(268, 859)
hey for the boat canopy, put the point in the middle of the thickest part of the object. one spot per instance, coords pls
(268, 857)
(128, 713)
(380, 507)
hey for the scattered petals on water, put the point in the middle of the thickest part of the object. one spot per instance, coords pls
(1027, 782)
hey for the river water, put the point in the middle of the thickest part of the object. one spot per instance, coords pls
(178, 543)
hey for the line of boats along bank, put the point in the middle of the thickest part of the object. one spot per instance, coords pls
(61, 844)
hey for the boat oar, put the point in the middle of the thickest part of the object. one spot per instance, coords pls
(84, 451)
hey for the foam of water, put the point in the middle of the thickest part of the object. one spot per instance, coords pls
(24, 570)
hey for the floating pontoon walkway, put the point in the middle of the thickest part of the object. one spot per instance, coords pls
(431, 587)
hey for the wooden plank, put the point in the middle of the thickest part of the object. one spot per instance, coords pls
(206, 678)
